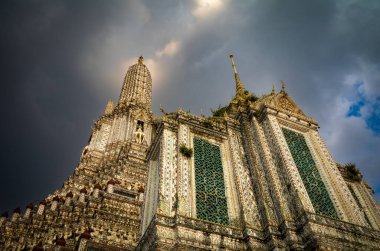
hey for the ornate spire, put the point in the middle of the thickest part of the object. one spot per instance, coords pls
(239, 85)
(282, 86)
(273, 89)
(137, 86)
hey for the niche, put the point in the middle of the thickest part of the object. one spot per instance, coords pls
(140, 124)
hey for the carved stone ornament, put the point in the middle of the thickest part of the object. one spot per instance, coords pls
(285, 104)
(139, 136)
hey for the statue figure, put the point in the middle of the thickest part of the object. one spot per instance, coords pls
(139, 136)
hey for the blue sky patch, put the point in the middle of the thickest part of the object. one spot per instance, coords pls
(354, 110)
(372, 116)
(373, 120)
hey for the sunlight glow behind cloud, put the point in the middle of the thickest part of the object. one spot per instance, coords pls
(170, 49)
(205, 8)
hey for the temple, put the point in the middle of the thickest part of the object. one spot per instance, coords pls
(256, 175)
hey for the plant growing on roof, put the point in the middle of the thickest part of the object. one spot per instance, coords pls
(186, 151)
(219, 112)
(251, 98)
(353, 173)
(207, 123)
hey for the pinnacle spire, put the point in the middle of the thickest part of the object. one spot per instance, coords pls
(109, 107)
(239, 85)
(273, 89)
(141, 60)
(137, 86)
(282, 86)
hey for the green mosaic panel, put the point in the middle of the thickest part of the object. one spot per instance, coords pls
(309, 174)
(211, 199)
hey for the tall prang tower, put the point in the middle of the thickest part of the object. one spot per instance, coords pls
(99, 206)
(256, 175)
(126, 128)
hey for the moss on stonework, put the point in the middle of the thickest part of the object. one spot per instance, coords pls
(207, 123)
(220, 111)
(353, 173)
(251, 98)
(240, 100)
(185, 151)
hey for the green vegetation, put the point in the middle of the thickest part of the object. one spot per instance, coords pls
(251, 98)
(239, 100)
(207, 123)
(353, 173)
(185, 151)
(219, 112)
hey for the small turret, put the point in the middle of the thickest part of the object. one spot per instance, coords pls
(109, 107)
(41, 207)
(16, 214)
(3, 218)
(282, 87)
(273, 90)
(54, 204)
(69, 197)
(239, 85)
(28, 210)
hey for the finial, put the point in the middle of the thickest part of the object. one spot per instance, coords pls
(202, 115)
(141, 60)
(239, 85)
(233, 64)
(282, 86)
(273, 89)
(162, 110)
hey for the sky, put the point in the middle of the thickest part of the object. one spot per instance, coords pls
(62, 60)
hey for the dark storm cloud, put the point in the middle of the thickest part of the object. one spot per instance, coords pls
(45, 104)
(61, 61)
